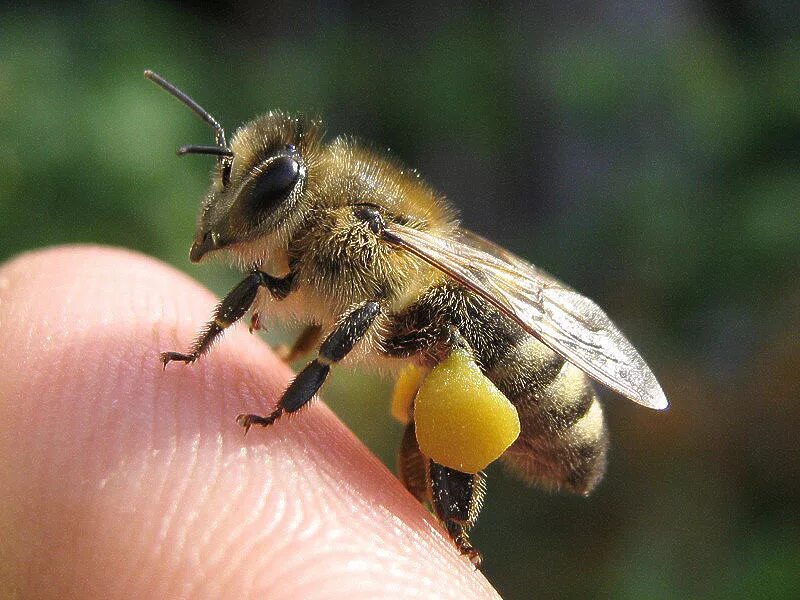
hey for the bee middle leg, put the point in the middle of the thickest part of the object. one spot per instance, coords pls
(308, 381)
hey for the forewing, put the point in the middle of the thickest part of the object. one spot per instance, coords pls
(560, 317)
(472, 239)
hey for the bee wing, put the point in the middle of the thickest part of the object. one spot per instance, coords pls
(560, 317)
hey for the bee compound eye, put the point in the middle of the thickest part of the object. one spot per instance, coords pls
(275, 183)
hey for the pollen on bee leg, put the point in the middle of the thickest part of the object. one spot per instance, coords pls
(462, 420)
(405, 388)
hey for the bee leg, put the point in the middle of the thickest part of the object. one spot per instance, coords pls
(457, 500)
(335, 347)
(231, 309)
(255, 322)
(302, 345)
(408, 344)
(412, 466)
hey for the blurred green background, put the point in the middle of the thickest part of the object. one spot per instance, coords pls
(646, 153)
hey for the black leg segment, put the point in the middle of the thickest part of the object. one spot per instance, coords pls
(335, 347)
(350, 330)
(304, 385)
(457, 499)
(231, 309)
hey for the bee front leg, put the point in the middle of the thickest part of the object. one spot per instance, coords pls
(457, 499)
(308, 381)
(231, 309)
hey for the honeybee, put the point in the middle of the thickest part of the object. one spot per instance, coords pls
(347, 240)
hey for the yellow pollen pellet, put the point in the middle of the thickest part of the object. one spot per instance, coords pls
(404, 390)
(462, 420)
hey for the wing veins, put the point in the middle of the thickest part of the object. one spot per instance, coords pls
(561, 318)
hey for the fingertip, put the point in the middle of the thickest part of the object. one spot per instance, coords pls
(138, 480)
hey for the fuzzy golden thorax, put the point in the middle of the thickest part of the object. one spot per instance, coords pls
(335, 258)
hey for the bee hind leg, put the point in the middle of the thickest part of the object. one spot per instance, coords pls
(336, 346)
(457, 499)
(412, 466)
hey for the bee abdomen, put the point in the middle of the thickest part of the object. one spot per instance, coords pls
(563, 442)
(563, 439)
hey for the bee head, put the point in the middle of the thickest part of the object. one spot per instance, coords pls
(256, 191)
(258, 181)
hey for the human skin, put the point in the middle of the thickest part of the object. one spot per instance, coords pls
(120, 479)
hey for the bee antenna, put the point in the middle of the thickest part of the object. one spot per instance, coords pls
(198, 110)
(215, 150)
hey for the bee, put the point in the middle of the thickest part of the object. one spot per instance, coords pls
(347, 240)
